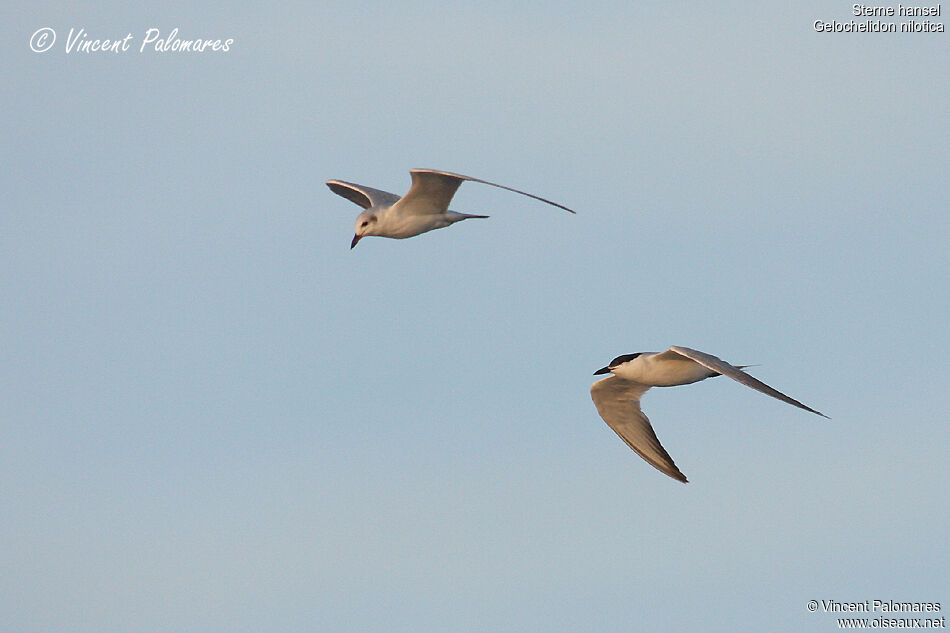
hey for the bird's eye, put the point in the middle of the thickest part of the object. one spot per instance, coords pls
(363, 225)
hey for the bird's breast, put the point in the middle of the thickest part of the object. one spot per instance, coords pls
(403, 225)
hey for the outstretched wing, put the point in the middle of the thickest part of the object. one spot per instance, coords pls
(432, 191)
(724, 368)
(618, 403)
(366, 197)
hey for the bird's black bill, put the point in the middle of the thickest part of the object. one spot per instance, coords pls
(602, 370)
(356, 238)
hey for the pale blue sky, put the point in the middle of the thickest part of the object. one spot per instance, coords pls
(216, 417)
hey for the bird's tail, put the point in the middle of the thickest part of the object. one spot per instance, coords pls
(455, 216)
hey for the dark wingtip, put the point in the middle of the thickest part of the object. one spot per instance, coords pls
(676, 474)
(815, 411)
(602, 370)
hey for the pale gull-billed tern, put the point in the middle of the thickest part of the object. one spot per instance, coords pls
(424, 208)
(617, 397)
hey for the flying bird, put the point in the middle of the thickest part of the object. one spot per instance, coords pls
(617, 397)
(424, 208)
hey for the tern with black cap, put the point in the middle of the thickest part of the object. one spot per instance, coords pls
(617, 397)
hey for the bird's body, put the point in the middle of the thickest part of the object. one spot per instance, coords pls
(662, 369)
(617, 397)
(424, 208)
(392, 222)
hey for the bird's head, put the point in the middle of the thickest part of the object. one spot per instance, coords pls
(366, 224)
(615, 363)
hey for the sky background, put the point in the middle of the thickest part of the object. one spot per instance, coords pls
(217, 417)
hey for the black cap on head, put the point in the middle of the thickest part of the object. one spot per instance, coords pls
(617, 361)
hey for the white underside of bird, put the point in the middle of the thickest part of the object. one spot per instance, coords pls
(617, 397)
(425, 206)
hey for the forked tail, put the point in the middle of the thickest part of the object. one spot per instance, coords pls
(458, 217)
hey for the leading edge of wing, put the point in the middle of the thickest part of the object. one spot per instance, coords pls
(493, 184)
